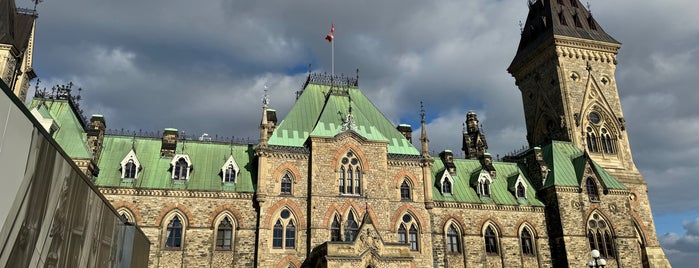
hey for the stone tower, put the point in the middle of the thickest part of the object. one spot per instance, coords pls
(474, 144)
(564, 68)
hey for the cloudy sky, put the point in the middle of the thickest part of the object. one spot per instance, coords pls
(148, 65)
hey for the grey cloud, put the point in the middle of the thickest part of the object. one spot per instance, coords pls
(683, 250)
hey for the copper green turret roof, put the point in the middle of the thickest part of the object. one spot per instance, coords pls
(322, 112)
(567, 164)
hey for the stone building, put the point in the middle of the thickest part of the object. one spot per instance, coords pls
(16, 46)
(336, 184)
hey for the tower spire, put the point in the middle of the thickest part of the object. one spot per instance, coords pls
(423, 134)
(264, 124)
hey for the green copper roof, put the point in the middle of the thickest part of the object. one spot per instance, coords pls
(207, 160)
(70, 134)
(464, 191)
(319, 114)
(567, 164)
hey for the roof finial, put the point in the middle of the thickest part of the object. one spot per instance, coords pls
(423, 136)
(589, 9)
(521, 27)
(133, 141)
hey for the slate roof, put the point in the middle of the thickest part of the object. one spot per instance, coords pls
(567, 164)
(463, 190)
(544, 22)
(15, 28)
(71, 133)
(207, 159)
(320, 113)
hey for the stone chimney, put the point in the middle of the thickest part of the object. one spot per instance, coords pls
(169, 142)
(407, 131)
(95, 135)
(448, 159)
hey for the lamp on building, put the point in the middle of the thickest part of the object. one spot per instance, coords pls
(596, 261)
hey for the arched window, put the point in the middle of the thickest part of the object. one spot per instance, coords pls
(224, 235)
(521, 190)
(335, 229)
(591, 141)
(284, 231)
(126, 215)
(405, 191)
(402, 234)
(130, 172)
(351, 228)
(408, 223)
(484, 187)
(608, 144)
(286, 184)
(174, 234)
(290, 235)
(180, 171)
(599, 235)
(491, 241)
(229, 175)
(277, 236)
(526, 240)
(350, 175)
(446, 187)
(124, 218)
(453, 241)
(413, 238)
(591, 188)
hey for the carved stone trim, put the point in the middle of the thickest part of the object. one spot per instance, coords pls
(174, 193)
(488, 207)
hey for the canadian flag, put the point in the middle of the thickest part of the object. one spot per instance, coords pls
(331, 35)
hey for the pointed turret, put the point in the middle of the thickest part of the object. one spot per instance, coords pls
(556, 19)
(264, 124)
(423, 134)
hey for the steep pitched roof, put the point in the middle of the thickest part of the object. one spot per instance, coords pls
(207, 160)
(567, 164)
(71, 133)
(320, 111)
(549, 18)
(15, 27)
(464, 192)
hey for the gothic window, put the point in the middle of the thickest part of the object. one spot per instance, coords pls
(351, 228)
(229, 170)
(130, 166)
(591, 188)
(608, 143)
(520, 190)
(277, 235)
(290, 235)
(284, 231)
(174, 234)
(350, 175)
(491, 241)
(446, 187)
(286, 184)
(562, 18)
(526, 240)
(413, 238)
(402, 234)
(591, 139)
(229, 174)
(335, 229)
(224, 235)
(124, 218)
(576, 19)
(405, 191)
(453, 241)
(484, 188)
(130, 172)
(408, 232)
(180, 171)
(599, 236)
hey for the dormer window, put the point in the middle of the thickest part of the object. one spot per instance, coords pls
(446, 187)
(591, 23)
(576, 20)
(562, 18)
(181, 167)
(520, 192)
(574, 3)
(230, 171)
(484, 181)
(446, 183)
(130, 166)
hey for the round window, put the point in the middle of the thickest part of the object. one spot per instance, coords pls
(285, 214)
(406, 218)
(594, 117)
(354, 161)
(345, 161)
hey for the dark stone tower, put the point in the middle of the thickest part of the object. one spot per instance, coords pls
(474, 143)
(564, 68)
